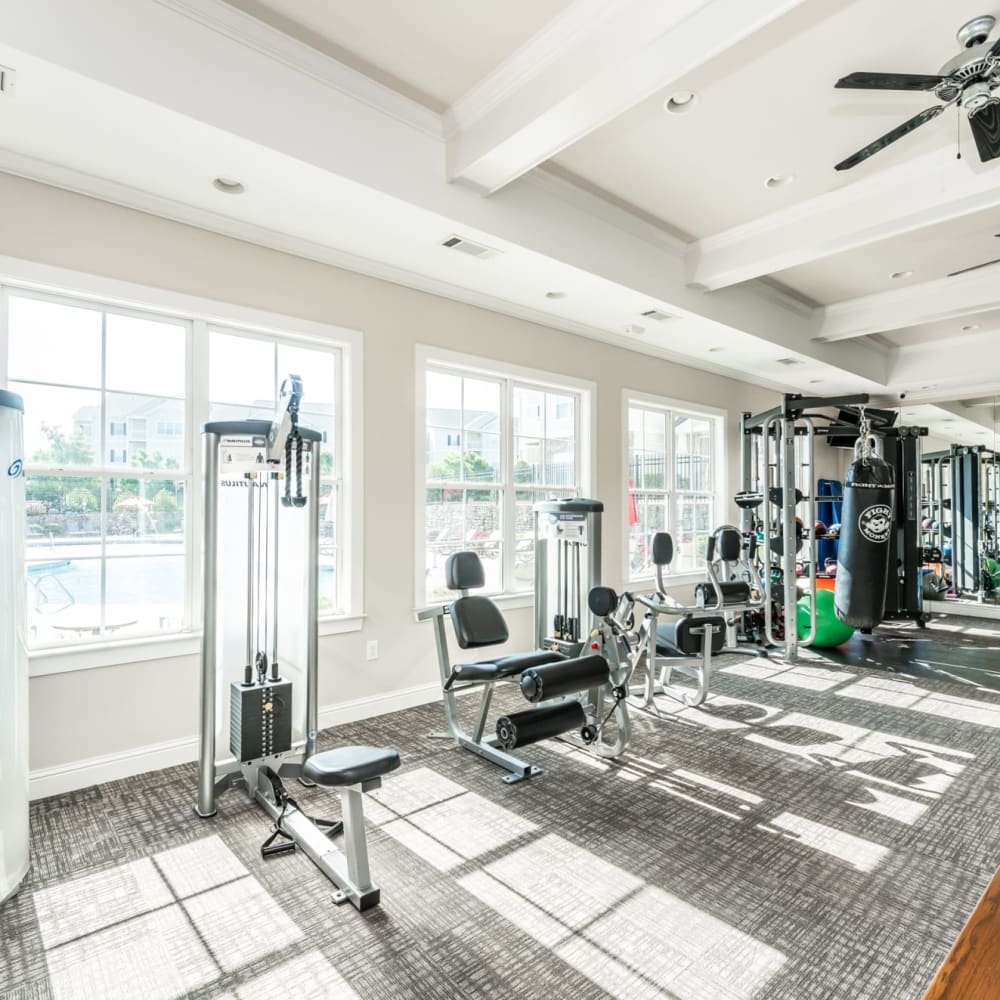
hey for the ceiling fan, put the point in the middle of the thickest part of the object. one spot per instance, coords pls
(968, 80)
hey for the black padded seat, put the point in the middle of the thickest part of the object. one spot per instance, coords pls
(349, 765)
(676, 638)
(505, 666)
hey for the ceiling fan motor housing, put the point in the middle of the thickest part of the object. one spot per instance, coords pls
(976, 31)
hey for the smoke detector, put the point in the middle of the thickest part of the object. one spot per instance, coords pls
(470, 247)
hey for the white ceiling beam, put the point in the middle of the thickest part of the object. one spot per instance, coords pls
(252, 86)
(941, 372)
(922, 192)
(587, 66)
(926, 302)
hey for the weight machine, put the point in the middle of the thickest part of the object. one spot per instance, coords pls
(577, 693)
(974, 518)
(260, 654)
(778, 452)
(684, 643)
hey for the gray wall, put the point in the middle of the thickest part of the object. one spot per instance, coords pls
(115, 709)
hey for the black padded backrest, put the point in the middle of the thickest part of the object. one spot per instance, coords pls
(730, 545)
(478, 622)
(464, 571)
(602, 601)
(663, 549)
(690, 643)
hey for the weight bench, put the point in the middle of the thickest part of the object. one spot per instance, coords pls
(354, 771)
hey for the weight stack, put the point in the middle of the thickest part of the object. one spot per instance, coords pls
(260, 719)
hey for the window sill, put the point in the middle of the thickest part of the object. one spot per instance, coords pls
(89, 656)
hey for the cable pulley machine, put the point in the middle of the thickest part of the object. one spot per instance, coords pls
(260, 645)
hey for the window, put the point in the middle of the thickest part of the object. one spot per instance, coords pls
(494, 445)
(113, 399)
(674, 482)
(244, 381)
(108, 546)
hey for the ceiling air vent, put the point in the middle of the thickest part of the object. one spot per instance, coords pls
(658, 314)
(470, 247)
(789, 361)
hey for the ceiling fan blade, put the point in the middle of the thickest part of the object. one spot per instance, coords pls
(975, 267)
(889, 81)
(890, 137)
(985, 125)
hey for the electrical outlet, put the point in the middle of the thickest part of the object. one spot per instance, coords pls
(371, 650)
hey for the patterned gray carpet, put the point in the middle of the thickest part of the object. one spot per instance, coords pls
(815, 832)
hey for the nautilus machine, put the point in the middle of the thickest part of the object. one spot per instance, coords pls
(259, 712)
(13, 652)
(569, 683)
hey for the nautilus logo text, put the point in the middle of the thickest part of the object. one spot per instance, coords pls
(15, 468)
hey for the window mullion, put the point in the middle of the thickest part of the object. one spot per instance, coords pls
(508, 496)
(197, 412)
(103, 521)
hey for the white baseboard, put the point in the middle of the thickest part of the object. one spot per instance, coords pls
(78, 774)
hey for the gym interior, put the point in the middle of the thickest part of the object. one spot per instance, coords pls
(499, 499)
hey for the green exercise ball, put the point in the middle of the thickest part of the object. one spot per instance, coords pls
(992, 570)
(830, 630)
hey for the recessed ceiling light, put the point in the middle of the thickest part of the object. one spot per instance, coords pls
(969, 327)
(928, 387)
(779, 180)
(896, 275)
(681, 102)
(555, 295)
(815, 381)
(228, 186)
(715, 350)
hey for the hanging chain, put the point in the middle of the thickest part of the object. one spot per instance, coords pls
(864, 436)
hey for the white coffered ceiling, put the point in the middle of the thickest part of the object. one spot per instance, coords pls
(539, 128)
(433, 52)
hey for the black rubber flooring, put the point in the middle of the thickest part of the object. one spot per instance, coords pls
(965, 651)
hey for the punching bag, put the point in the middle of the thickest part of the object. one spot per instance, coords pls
(865, 529)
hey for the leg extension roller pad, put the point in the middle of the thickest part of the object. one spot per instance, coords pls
(521, 728)
(555, 680)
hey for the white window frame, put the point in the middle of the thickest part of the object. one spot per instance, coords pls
(671, 406)
(41, 280)
(511, 376)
